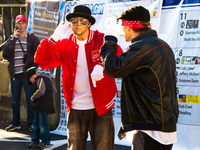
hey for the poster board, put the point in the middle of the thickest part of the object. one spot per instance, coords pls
(180, 28)
(177, 23)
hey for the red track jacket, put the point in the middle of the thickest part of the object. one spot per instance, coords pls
(64, 53)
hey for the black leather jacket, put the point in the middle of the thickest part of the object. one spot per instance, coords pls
(147, 69)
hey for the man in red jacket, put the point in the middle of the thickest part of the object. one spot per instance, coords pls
(88, 91)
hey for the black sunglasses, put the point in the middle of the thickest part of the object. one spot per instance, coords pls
(75, 21)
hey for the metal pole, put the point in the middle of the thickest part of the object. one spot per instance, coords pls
(20, 10)
(11, 13)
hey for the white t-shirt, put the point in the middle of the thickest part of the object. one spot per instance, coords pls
(164, 138)
(82, 96)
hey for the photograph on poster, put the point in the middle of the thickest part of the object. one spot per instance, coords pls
(182, 98)
(118, 94)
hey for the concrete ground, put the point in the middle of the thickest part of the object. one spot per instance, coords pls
(19, 139)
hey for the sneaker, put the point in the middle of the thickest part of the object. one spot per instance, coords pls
(30, 128)
(12, 127)
(32, 145)
(43, 146)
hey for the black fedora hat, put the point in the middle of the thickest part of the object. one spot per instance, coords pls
(81, 11)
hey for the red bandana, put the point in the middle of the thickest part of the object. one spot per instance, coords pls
(133, 24)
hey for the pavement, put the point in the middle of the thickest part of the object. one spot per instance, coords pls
(20, 139)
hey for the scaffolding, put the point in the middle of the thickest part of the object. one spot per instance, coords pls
(8, 12)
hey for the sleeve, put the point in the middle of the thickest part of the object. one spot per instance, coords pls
(118, 66)
(48, 54)
(54, 90)
(118, 52)
(9, 46)
(41, 88)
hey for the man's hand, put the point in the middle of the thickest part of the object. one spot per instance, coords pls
(32, 99)
(97, 74)
(16, 33)
(112, 27)
(61, 31)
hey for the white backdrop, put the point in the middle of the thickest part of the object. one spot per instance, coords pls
(178, 25)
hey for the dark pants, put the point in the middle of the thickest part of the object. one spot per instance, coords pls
(142, 141)
(41, 128)
(16, 87)
(101, 129)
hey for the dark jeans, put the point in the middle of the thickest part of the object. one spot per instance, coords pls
(41, 128)
(101, 129)
(142, 141)
(16, 87)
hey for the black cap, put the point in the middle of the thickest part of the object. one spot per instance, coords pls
(135, 13)
(81, 11)
(31, 71)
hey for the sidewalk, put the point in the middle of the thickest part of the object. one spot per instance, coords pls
(19, 140)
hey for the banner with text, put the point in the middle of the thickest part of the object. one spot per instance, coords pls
(177, 22)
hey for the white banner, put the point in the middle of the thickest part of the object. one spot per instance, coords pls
(180, 28)
(177, 23)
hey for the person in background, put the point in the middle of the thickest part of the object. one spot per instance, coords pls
(88, 91)
(148, 100)
(43, 105)
(20, 48)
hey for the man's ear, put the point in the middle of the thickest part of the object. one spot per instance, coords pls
(128, 29)
(89, 24)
